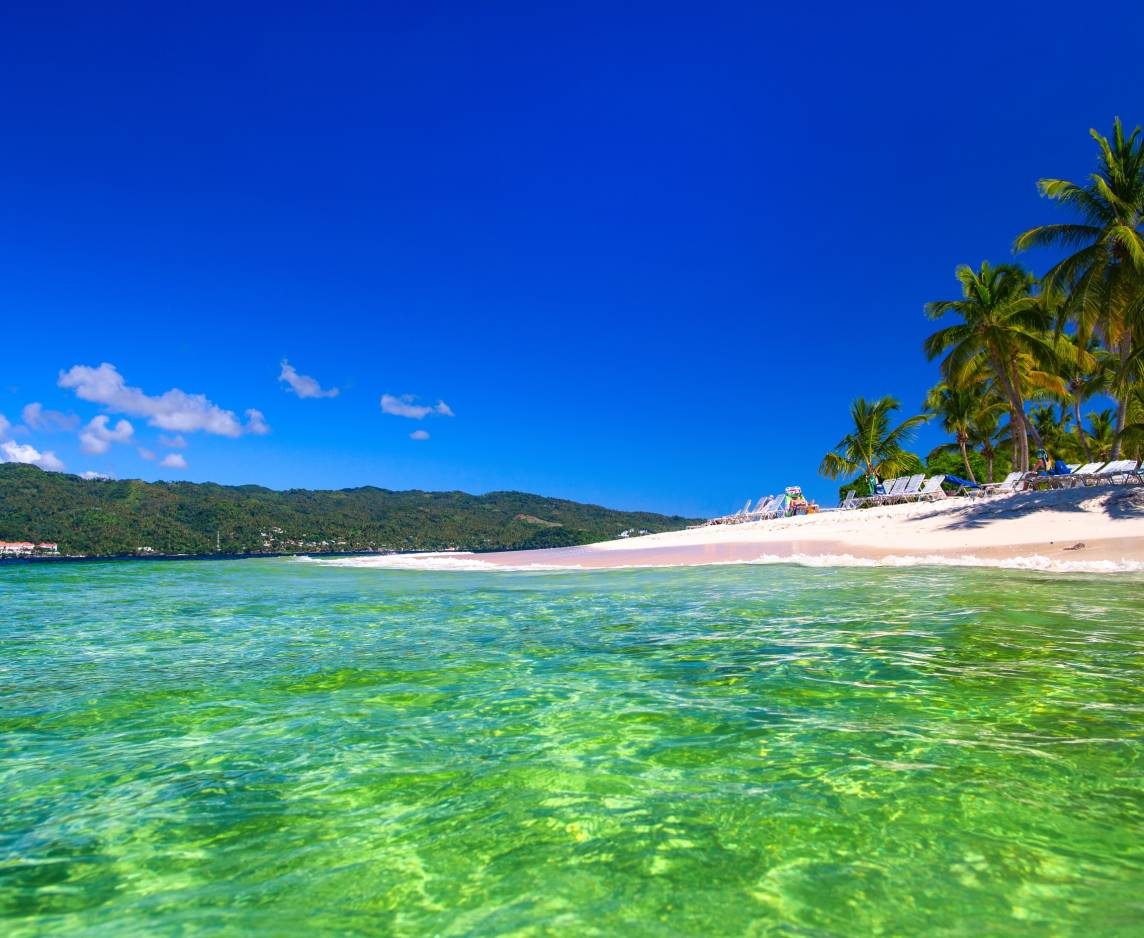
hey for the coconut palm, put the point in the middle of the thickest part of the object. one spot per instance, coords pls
(955, 408)
(1102, 432)
(1105, 272)
(1002, 325)
(1085, 372)
(873, 447)
(986, 432)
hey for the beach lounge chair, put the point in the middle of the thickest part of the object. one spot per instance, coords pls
(761, 508)
(911, 489)
(1116, 471)
(895, 491)
(881, 491)
(1013, 482)
(964, 486)
(932, 490)
(851, 501)
(741, 513)
(1082, 475)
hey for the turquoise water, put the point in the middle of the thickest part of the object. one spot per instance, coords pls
(273, 747)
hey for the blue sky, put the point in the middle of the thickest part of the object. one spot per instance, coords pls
(645, 255)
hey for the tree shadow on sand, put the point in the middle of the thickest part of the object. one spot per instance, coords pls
(1114, 501)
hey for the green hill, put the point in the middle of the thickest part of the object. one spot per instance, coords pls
(106, 518)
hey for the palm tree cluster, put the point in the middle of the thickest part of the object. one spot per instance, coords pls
(1021, 357)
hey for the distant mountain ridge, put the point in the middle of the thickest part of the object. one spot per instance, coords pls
(112, 518)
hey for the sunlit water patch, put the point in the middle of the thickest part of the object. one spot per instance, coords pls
(268, 747)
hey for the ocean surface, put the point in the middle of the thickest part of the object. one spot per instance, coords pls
(274, 747)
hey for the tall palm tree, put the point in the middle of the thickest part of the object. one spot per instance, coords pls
(1085, 372)
(1003, 324)
(955, 407)
(1105, 273)
(873, 447)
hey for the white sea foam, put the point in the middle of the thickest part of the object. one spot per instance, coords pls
(438, 561)
(469, 562)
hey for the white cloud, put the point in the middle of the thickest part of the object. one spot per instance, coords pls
(97, 437)
(92, 474)
(172, 442)
(173, 461)
(145, 453)
(172, 410)
(406, 406)
(303, 385)
(25, 453)
(37, 418)
(256, 422)
(5, 426)
(419, 435)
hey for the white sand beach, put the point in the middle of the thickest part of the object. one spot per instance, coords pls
(1086, 529)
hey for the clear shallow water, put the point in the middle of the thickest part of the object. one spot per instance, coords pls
(270, 747)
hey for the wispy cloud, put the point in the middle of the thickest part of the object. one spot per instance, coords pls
(172, 442)
(5, 426)
(28, 454)
(92, 474)
(36, 418)
(303, 385)
(419, 435)
(173, 410)
(406, 406)
(145, 453)
(256, 422)
(97, 436)
(173, 461)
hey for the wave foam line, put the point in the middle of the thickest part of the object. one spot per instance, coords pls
(450, 562)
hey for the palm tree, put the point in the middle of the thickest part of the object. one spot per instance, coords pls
(1102, 432)
(873, 447)
(955, 408)
(1003, 325)
(986, 431)
(1106, 271)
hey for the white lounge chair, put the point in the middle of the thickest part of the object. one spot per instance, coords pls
(932, 490)
(1013, 483)
(761, 509)
(882, 491)
(896, 491)
(851, 501)
(1116, 471)
(912, 487)
(1078, 476)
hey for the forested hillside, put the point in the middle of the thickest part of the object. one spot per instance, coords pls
(124, 517)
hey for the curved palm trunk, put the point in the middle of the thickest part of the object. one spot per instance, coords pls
(1080, 430)
(1014, 439)
(961, 441)
(1018, 420)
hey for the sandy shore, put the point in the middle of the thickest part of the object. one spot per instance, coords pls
(1097, 529)
(1071, 529)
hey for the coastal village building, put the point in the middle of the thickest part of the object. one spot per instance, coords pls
(27, 549)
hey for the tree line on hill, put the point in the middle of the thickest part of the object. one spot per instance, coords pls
(1023, 356)
(114, 518)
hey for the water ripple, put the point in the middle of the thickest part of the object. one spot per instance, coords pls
(273, 747)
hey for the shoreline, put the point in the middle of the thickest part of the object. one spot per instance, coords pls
(1097, 529)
